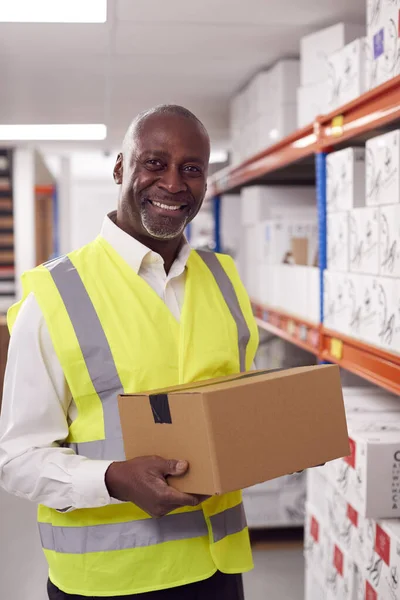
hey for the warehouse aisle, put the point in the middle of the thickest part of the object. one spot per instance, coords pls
(278, 573)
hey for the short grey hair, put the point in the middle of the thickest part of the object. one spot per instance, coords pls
(162, 109)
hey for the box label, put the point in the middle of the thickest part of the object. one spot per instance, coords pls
(338, 561)
(370, 593)
(382, 544)
(336, 348)
(351, 459)
(291, 327)
(379, 43)
(352, 515)
(314, 529)
(337, 126)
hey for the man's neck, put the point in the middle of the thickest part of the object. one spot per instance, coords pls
(167, 249)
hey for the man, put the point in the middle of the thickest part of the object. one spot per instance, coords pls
(134, 310)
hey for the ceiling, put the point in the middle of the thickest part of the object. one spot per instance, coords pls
(195, 54)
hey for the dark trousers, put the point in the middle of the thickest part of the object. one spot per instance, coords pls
(218, 587)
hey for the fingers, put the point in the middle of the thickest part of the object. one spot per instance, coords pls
(180, 498)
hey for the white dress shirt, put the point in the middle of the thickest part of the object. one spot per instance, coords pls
(37, 404)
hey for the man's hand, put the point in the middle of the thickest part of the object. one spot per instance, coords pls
(143, 482)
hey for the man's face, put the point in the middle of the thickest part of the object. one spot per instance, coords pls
(163, 177)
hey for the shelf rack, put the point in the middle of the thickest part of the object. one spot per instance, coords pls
(300, 159)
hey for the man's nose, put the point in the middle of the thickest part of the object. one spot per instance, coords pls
(172, 181)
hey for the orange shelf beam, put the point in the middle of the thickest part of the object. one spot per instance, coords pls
(378, 108)
(300, 144)
(288, 327)
(371, 363)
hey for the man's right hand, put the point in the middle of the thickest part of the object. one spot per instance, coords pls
(143, 482)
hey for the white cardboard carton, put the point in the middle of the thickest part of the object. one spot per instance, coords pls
(369, 479)
(369, 400)
(352, 532)
(361, 296)
(383, 169)
(347, 74)
(389, 234)
(345, 179)
(364, 240)
(283, 78)
(336, 305)
(338, 242)
(387, 290)
(260, 202)
(312, 100)
(316, 47)
(383, 35)
(273, 126)
(384, 566)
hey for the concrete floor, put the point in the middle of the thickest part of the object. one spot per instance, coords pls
(278, 572)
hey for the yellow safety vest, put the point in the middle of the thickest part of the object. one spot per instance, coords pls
(112, 333)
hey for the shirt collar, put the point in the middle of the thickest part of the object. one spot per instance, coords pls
(134, 253)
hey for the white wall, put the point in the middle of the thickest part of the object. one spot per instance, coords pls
(90, 201)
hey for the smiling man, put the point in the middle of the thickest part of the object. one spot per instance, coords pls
(132, 311)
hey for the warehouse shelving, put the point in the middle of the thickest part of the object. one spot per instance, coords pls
(288, 327)
(299, 159)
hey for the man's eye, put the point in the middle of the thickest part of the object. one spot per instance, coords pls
(192, 169)
(153, 163)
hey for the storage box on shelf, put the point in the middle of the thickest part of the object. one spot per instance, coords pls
(312, 100)
(258, 119)
(345, 179)
(313, 95)
(347, 74)
(316, 47)
(383, 169)
(364, 225)
(338, 241)
(383, 59)
(260, 202)
(369, 478)
(389, 241)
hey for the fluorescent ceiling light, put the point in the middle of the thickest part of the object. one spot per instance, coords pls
(53, 11)
(218, 156)
(52, 132)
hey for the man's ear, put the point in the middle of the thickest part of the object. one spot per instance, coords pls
(118, 169)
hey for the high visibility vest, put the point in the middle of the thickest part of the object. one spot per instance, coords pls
(113, 334)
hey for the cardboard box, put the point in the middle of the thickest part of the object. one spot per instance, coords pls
(347, 74)
(369, 400)
(317, 47)
(330, 565)
(284, 79)
(387, 291)
(240, 430)
(345, 179)
(383, 36)
(347, 528)
(361, 299)
(312, 101)
(273, 126)
(369, 478)
(336, 305)
(314, 590)
(364, 227)
(389, 241)
(383, 169)
(261, 202)
(384, 566)
(338, 242)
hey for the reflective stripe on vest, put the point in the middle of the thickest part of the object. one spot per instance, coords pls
(141, 533)
(100, 364)
(232, 302)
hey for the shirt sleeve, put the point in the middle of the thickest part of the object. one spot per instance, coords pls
(36, 409)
